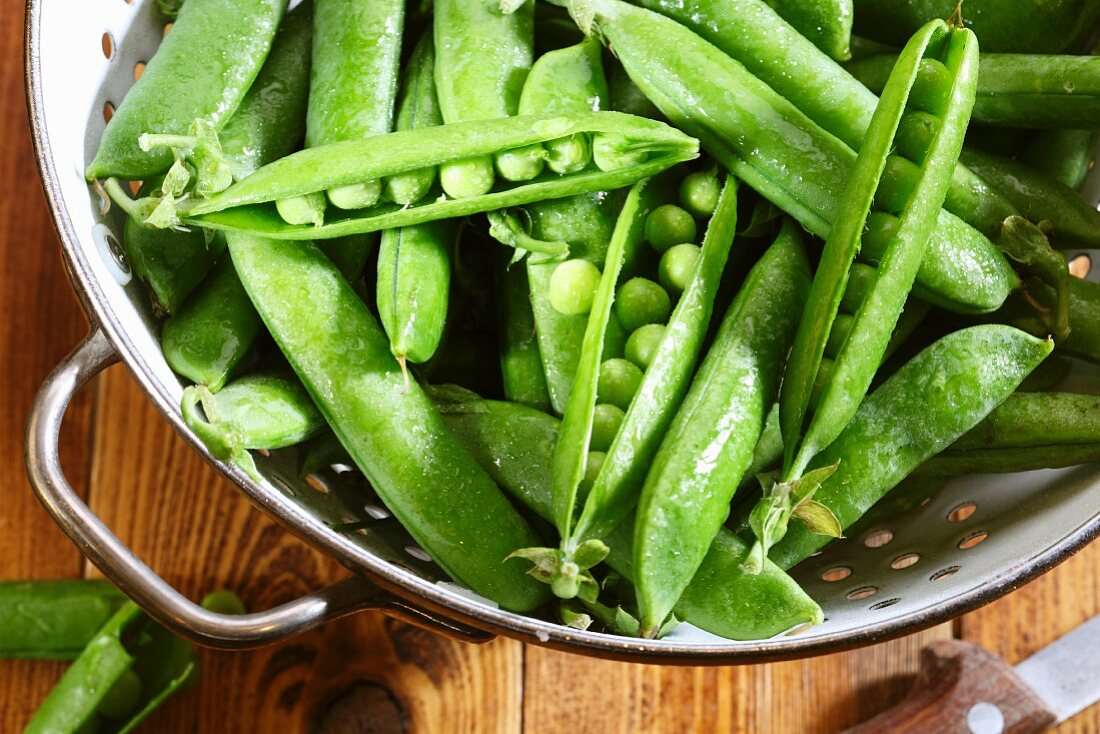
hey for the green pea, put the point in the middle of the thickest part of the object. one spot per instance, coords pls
(304, 209)
(606, 421)
(640, 301)
(916, 132)
(618, 382)
(612, 151)
(573, 286)
(521, 164)
(614, 340)
(699, 192)
(357, 195)
(409, 188)
(932, 88)
(881, 229)
(123, 697)
(899, 178)
(568, 155)
(643, 343)
(467, 178)
(592, 467)
(677, 266)
(669, 225)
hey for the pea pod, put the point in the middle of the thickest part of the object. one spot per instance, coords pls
(179, 86)
(1062, 155)
(920, 410)
(828, 23)
(483, 54)
(414, 273)
(753, 34)
(271, 120)
(449, 505)
(1020, 90)
(710, 442)
(53, 620)
(514, 444)
(1077, 222)
(1026, 26)
(565, 81)
(171, 263)
(747, 126)
(1028, 431)
(571, 451)
(128, 668)
(258, 411)
(666, 380)
(417, 107)
(918, 205)
(246, 206)
(206, 339)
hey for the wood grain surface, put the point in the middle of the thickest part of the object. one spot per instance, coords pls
(367, 673)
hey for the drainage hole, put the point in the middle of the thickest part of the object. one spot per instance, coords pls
(944, 573)
(878, 538)
(962, 512)
(861, 593)
(883, 604)
(837, 573)
(107, 43)
(904, 561)
(972, 540)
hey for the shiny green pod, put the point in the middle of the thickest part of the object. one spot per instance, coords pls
(649, 416)
(566, 80)
(449, 505)
(709, 445)
(247, 205)
(179, 86)
(919, 411)
(863, 348)
(208, 337)
(747, 126)
(828, 23)
(53, 620)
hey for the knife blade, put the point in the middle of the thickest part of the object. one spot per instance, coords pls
(1066, 673)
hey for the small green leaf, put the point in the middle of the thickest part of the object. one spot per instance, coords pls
(624, 623)
(590, 552)
(546, 562)
(668, 626)
(818, 519)
(573, 617)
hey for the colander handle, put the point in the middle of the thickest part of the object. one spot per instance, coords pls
(142, 584)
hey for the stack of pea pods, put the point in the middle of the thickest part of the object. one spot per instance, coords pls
(620, 338)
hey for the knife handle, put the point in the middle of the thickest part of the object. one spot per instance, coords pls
(965, 689)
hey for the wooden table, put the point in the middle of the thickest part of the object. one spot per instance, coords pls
(367, 673)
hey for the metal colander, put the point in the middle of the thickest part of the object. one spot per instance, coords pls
(913, 562)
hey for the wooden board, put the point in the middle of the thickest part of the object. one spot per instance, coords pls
(367, 674)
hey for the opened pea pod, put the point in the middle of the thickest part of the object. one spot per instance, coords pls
(248, 205)
(906, 192)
